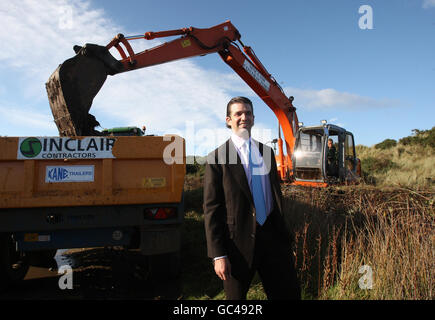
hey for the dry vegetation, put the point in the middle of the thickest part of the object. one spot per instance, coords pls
(406, 163)
(406, 166)
(337, 231)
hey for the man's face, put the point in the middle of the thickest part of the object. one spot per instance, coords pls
(241, 119)
(329, 144)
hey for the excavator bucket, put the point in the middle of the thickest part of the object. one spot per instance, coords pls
(74, 84)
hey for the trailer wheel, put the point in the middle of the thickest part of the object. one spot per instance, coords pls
(13, 264)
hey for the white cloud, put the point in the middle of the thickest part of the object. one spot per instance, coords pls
(336, 122)
(162, 97)
(38, 39)
(428, 3)
(40, 35)
(26, 120)
(331, 98)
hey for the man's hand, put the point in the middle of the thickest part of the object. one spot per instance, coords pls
(222, 267)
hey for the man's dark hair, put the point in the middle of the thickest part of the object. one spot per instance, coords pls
(238, 100)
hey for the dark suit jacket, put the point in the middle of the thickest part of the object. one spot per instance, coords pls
(229, 211)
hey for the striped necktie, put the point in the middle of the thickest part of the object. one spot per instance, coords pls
(257, 190)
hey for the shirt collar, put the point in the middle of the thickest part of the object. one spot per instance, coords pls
(238, 141)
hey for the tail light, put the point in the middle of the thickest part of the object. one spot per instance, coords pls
(159, 213)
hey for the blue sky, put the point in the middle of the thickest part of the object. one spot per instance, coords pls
(377, 83)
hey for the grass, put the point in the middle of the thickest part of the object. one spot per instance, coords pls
(400, 165)
(339, 230)
(336, 230)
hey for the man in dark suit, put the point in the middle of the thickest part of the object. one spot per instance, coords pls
(331, 157)
(244, 226)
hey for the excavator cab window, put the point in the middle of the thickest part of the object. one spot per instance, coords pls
(332, 156)
(349, 152)
(308, 155)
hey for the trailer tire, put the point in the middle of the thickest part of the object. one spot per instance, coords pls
(13, 264)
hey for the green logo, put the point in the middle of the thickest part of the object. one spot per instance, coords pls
(30, 147)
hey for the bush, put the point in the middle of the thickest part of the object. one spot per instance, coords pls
(373, 165)
(193, 199)
(420, 137)
(409, 163)
(195, 168)
(191, 168)
(386, 144)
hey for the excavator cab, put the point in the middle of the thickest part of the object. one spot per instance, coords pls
(325, 155)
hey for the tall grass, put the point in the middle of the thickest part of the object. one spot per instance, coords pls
(337, 231)
(398, 247)
(401, 165)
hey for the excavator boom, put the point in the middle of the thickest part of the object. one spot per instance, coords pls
(73, 86)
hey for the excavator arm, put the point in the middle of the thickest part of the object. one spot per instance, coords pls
(74, 84)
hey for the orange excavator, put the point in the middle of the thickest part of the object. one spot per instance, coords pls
(73, 86)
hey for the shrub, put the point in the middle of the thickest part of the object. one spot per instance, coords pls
(372, 165)
(386, 144)
(400, 151)
(191, 168)
(420, 137)
(195, 168)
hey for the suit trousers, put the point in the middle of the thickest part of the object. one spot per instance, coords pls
(275, 265)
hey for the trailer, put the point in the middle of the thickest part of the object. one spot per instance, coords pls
(93, 191)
